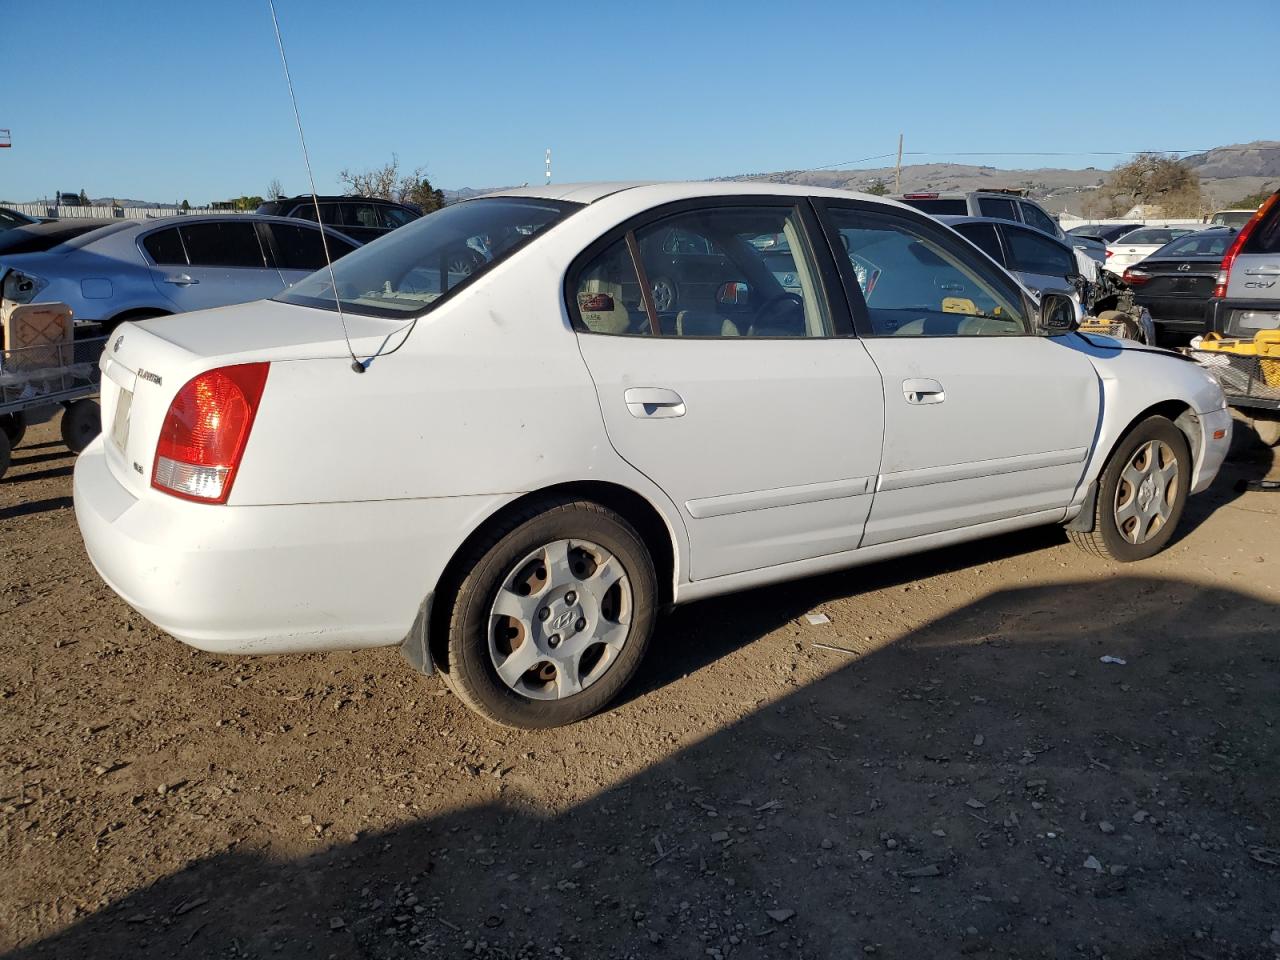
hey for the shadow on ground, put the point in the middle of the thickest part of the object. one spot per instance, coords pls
(985, 786)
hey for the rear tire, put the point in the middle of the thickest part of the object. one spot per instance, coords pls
(81, 422)
(552, 617)
(4, 454)
(14, 426)
(1132, 329)
(1141, 494)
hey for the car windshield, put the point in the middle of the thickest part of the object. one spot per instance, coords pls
(404, 273)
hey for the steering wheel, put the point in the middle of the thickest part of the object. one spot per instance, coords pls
(777, 298)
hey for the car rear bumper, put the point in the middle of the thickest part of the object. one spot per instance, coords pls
(270, 579)
(1229, 317)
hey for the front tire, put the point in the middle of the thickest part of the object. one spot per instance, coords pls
(14, 427)
(1141, 494)
(552, 617)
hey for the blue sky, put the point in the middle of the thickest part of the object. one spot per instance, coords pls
(172, 100)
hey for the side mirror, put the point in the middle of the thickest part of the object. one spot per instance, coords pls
(1057, 314)
(735, 293)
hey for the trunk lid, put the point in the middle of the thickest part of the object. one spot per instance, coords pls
(146, 363)
(1189, 277)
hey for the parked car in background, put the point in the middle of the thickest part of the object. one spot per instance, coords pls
(361, 218)
(1237, 218)
(1139, 244)
(556, 459)
(1106, 232)
(1043, 263)
(132, 269)
(12, 218)
(1246, 293)
(1001, 205)
(32, 238)
(1175, 283)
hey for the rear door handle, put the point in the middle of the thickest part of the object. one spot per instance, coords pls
(647, 402)
(923, 391)
(182, 280)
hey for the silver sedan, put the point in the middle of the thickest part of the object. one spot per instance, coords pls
(145, 268)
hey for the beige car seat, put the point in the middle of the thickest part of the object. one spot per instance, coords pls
(703, 323)
(616, 320)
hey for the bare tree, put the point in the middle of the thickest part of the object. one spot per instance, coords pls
(387, 183)
(274, 190)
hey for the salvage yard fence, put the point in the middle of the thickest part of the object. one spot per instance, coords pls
(108, 212)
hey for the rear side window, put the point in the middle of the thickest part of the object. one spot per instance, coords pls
(1032, 253)
(997, 207)
(1034, 216)
(231, 243)
(165, 246)
(361, 215)
(1266, 235)
(938, 207)
(300, 248)
(983, 236)
(608, 294)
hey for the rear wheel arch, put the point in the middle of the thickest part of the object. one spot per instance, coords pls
(649, 522)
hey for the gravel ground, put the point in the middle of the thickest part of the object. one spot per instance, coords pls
(943, 768)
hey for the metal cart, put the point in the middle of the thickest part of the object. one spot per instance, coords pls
(1249, 372)
(35, 381)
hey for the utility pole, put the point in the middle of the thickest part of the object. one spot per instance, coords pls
(897, 174)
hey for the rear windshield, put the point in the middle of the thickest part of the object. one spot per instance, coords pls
(1232, 218)
(1197, 244)
(1161, 236)
(405, 272)
(939, 207)
(44, 236)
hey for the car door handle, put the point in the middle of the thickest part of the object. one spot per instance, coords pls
(923, 391)
(654, 402)
(181, 280)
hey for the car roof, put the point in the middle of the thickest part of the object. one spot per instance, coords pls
(658, 191)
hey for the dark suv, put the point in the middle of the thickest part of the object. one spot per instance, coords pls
(362, 218)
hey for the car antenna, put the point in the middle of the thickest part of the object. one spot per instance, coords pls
(358, 365)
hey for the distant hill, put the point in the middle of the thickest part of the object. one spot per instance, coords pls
(1226, 173)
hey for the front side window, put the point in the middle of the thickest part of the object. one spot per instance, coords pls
(300, 248)
(393, 217)
(229, 243)
(406, 272)
(1032, 253)
(915, 282)
(722, 272)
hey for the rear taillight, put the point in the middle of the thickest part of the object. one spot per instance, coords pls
(205, 432)
(1111, 253)
(1135, 276)
(1233, 251)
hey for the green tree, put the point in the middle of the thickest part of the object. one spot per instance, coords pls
(84, 198)
(1253, 200)
(878, 188)
(185, 206)
(247, 203)
(387, 183)
(1150, 179)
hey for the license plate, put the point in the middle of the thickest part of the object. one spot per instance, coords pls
(120, 425)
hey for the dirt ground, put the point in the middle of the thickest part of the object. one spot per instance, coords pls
(944, 768)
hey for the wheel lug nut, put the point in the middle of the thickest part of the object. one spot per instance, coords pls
(544, 613)
(553, 641)
(580, 625)
(570, 598)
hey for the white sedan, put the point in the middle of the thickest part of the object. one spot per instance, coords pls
(509, 469)
(1136, 246)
